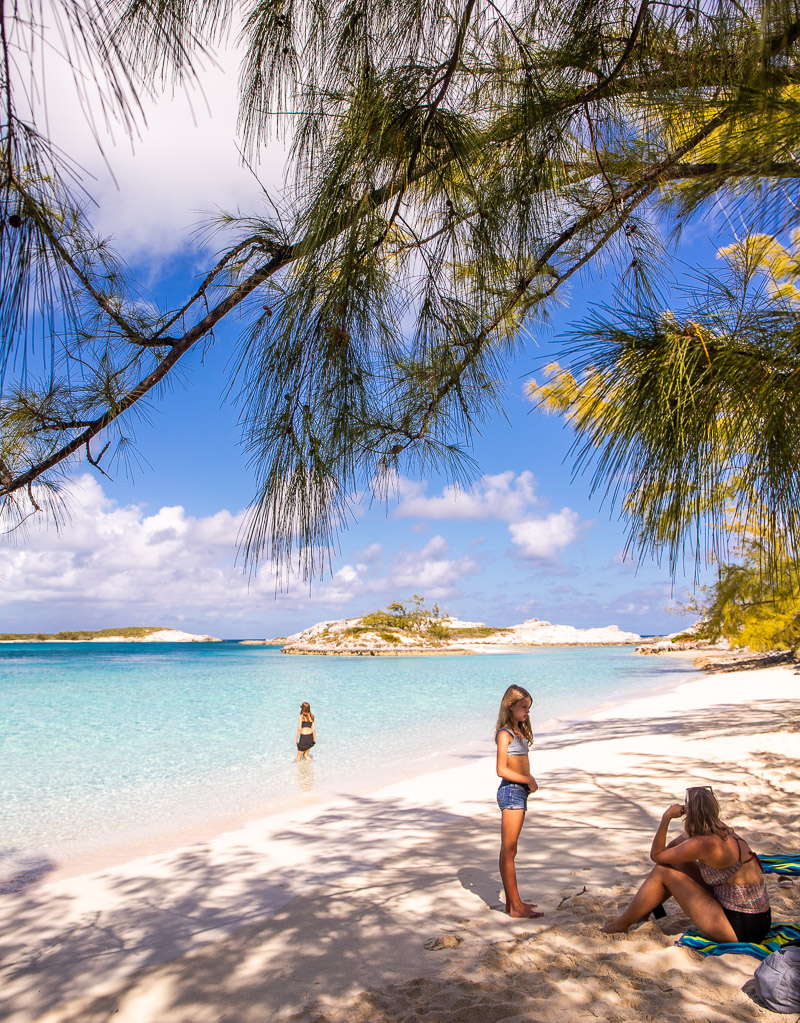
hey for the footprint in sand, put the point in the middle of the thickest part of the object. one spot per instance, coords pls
(443, 941)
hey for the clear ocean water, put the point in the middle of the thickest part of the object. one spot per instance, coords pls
(108, 742)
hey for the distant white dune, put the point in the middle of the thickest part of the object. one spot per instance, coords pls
(162, 636)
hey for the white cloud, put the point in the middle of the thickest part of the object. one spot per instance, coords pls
(111, 559)
(623, 562)
(502, 496)
(428, 571)
(543, 538)
(184, 163)
(114, 565)
(370, 554)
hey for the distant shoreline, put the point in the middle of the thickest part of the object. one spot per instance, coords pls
(130, 634)
(445, 651)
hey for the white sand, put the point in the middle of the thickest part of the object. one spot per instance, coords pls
(324, 915)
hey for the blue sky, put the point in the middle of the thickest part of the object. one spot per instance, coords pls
(158, 545)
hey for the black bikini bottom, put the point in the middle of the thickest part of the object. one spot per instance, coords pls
(305, 742)
(750, 927)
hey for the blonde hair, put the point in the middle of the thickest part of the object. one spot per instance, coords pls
(702, 813)
(305, 711)
(505, 718)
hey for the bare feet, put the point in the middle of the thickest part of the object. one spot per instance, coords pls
(527, 905)
(525, 912)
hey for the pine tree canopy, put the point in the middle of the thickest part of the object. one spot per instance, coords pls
(454, 164)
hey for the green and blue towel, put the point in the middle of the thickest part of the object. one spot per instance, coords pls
(785, 865)
(779, 934)
(777, 937)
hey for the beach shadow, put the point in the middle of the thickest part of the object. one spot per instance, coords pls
(25, 874)
(722, 719)
(345, 901)
(480, 882)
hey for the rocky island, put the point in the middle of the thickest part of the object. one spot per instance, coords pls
(417, 630)
(127, 634)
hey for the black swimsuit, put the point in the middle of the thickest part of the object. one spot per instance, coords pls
(306, 740)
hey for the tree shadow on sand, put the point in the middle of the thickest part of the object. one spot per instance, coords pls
(342, 909)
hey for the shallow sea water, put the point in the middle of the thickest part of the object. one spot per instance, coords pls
(109, 741)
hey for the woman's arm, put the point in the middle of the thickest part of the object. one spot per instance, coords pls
(299, 726)
(314, 731)
(682, 837)
(504, 771)
(681, 849)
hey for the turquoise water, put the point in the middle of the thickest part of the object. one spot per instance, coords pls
(109, 741)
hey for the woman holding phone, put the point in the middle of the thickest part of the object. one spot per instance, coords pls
(710, 871)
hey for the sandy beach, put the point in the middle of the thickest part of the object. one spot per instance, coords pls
(386, 907)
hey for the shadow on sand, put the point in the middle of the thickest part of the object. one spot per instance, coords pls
(343, 905)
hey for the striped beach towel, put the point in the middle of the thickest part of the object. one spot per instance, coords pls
(778, 936)
(785, 865)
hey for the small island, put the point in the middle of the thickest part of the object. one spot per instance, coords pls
(127, 634)
(414, 629)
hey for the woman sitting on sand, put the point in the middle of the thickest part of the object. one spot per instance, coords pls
(710, 871)
(513, 736)
(306, 732)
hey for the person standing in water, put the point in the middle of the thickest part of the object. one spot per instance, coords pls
(514, 738)
(306, 732)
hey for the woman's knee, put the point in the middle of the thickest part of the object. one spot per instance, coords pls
(508, 848)
(668, 876)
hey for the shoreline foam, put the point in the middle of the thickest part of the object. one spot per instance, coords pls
(324, 913)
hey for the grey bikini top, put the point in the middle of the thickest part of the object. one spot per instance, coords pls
(517, 747)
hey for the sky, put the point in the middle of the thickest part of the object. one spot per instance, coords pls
(158, 544)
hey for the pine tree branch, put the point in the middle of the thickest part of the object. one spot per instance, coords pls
(646, 182)
(646, 185)
(596, 89)
(446, 79)
(98, 297)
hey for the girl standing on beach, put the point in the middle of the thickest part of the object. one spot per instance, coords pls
(514, 737)
(306, 732)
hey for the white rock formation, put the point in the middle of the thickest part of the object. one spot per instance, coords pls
(534, 632)
(331, 637)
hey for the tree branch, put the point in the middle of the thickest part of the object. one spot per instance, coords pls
(648, 183)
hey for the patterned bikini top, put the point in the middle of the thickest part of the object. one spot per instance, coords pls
(744, 898)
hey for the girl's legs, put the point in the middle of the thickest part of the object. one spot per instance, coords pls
(510, 827)
(683, 883)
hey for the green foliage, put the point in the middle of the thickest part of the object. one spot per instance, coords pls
(752, 607)
(476, 632)
(692, 419)
(455, 164)
(397, 617)
(687, 637)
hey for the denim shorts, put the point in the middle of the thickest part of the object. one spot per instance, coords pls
(512, 796)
